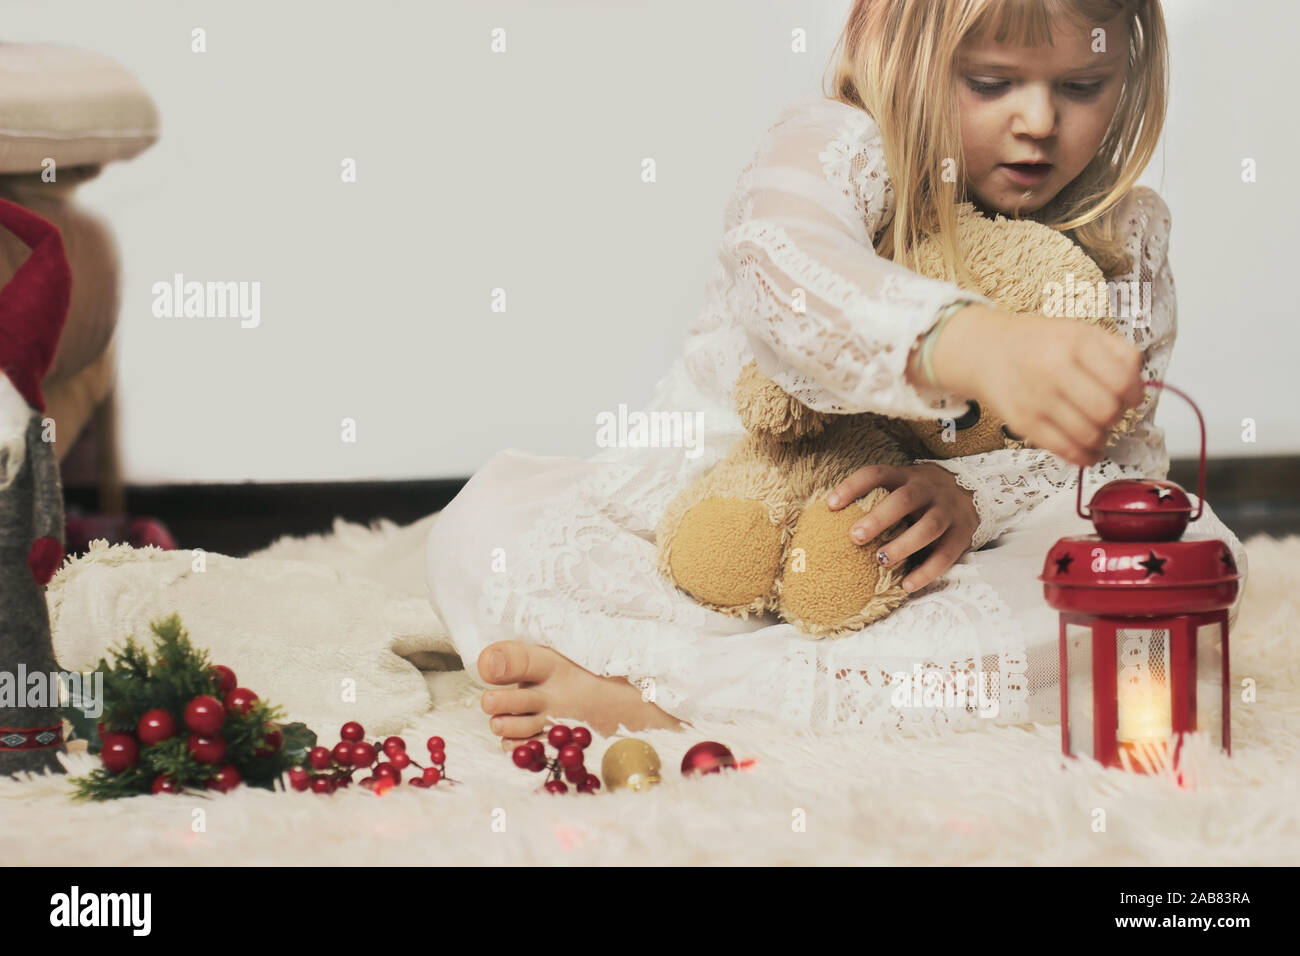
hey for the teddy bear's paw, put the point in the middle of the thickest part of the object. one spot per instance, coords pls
(726, 552)
(829, 582)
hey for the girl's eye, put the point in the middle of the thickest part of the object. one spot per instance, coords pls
(986, 87)
(1083, 90)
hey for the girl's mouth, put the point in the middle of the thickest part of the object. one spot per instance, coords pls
(1027, 174)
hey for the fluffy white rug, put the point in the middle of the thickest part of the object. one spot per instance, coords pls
(998, 795)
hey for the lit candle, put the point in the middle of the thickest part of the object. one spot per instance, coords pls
(1145, 720)
(1144, 716)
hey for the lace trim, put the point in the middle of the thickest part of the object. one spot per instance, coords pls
(850, 683)
(855, 162)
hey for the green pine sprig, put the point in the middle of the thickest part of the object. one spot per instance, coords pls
(136, 682)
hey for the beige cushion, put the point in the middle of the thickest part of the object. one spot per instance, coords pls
(76, 106)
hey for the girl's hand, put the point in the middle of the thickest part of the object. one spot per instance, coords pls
(1059, 383)
(948, 516)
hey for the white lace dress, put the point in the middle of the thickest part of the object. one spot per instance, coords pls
(561, 551)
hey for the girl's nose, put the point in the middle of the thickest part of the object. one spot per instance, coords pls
(1034, 113)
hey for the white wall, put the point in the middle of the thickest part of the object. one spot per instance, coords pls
(522, 171)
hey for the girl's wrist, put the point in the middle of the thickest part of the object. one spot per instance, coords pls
(954, 354)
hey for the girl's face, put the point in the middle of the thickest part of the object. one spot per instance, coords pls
(1032, 118)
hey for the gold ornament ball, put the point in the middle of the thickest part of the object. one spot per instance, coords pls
(630, 763)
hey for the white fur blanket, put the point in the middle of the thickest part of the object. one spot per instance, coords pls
(324, 639)
(301, 616)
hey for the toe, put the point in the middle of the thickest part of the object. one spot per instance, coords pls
(512, 701)
(517, 726)
(511, 662)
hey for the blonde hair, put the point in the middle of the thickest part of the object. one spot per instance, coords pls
(896, 59)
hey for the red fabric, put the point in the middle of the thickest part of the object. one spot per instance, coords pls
(44, 559)
(34, 304)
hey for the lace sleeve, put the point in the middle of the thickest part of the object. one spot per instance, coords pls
(1009, 483)
(826, 318)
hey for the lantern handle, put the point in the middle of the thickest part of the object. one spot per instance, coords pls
(1200, 497)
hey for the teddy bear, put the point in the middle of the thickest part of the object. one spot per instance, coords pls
(754, 533)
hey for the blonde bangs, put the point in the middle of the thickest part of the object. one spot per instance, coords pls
(1029, 22)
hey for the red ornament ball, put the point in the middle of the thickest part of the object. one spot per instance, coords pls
(556, 786)
(363, 754)
(523, 757)
(436, 743)
(394, 745)
(299, 778)
(240, 700)
(536, 746)
(576, 774)
(582, 737)
(401, 760)
(387, 771)
(570, 756)
(204, 715)
(207, 750)
(352, 731)
(120, 752)
(272, 741)
(226, 681)
(164, 784)
(590, 785)
(438, 757)
(320, 758)
(431, 775)
(559, 736)
(342, 754)
(155, 727)
(322, 785)
(707, 757)
(227, 779)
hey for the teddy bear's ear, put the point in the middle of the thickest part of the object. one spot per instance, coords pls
(768, 410)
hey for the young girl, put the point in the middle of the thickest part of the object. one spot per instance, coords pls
(543, 568)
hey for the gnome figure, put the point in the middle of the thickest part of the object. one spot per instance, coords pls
(33, 307)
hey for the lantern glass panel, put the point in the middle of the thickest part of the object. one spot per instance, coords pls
(1142, 692)
(1209, 681)
(1078, 688)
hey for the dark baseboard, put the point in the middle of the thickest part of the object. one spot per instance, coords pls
(1255, 495)
(1250, 495)
(235, 519)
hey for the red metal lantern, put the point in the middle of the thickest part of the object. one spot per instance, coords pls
(1144, 619)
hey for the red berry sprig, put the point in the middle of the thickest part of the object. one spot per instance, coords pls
(203, 716)
(569, 743)
(335, 766)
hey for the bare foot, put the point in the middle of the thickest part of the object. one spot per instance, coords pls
(551, 685)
